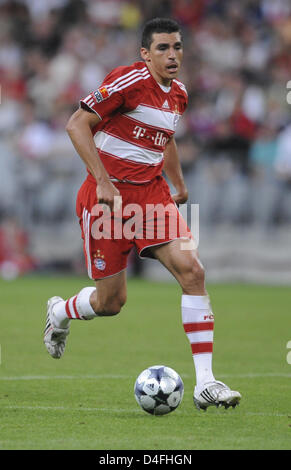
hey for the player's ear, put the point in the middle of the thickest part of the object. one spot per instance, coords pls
(145, 54)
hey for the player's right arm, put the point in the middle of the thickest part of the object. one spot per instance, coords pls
(79, 128)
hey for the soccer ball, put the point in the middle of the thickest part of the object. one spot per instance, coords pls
(158, 390)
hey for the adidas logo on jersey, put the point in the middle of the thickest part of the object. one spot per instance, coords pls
(166, 105)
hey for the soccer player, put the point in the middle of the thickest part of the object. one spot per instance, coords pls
(124, 133)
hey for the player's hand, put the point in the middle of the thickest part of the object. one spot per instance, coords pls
(109, 195)
(181, 196)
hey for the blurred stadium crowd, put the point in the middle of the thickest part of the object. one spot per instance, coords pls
(234, 140)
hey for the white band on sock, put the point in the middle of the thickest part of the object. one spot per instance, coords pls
(198, 321)
(196, 301)
(84, 307)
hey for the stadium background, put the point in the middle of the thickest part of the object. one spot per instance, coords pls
(234, 140)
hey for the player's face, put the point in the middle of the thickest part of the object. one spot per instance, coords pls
(164, 56)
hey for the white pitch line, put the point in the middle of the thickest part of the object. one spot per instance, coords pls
(278, 415)
(254, 375)
(113, 410)
(118, 377)
(64, 408)
(65, 377)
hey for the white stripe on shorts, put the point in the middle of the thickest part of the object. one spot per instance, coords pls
(86, 229)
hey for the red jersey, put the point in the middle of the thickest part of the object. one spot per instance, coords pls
(138, 117)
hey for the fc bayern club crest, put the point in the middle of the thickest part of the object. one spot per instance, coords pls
(100, 264)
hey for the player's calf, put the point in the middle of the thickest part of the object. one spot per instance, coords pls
(109, 305)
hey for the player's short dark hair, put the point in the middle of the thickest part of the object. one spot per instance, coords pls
(158, 25)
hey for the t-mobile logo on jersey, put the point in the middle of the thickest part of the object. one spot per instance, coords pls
(139, 132)
(159, 139)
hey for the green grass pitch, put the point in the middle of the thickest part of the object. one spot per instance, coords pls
(86, 401)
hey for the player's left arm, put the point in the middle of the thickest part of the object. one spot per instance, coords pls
(173, 170)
